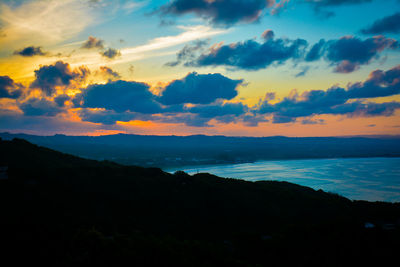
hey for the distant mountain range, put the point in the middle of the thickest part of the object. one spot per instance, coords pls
(177, 151)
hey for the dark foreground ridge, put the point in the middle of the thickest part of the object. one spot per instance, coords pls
(61, 210)
(178, 151)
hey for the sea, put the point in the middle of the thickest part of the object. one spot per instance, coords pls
(372, 179)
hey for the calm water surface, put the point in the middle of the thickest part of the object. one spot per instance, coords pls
(373, 179)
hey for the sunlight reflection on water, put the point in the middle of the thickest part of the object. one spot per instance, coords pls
(374, 179)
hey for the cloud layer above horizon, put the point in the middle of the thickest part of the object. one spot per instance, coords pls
(194, 100)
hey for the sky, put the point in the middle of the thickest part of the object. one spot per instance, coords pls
(214, 67)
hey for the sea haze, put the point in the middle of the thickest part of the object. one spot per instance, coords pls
(373, 179)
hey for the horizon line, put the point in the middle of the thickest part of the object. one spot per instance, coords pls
(206, 135)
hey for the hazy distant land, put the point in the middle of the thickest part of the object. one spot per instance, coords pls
(179, 151)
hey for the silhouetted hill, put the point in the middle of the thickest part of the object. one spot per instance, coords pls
(172, 151)
(61, 210)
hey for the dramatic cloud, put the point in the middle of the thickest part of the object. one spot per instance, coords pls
(219, 13)
(188, 53)
(338, 100)
(358, 51)
(290, 109)
(30, 51)
(108, 73)
(379, 84)
(199, 89)
(40, 107)
(389, 24)
(229, 12)
(61, 99)
(372, 109)
(321, 5)
(120, 96)
(111, 53)
(9, 89)
(93, 42)
(252, 55)
(221, 112)
(59, 74)
(252, 120)
(110, 117)
(200, 100)
(107, 117)
(268, 34)
(316, 51)
(346, 66)
(218, 109)
(349, 52)
(125, 101)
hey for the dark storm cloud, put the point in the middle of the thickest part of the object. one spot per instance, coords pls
(110, 53)
(252, 55)
(199, 89)
(9, 89)
(59, 74)
(340, 101)
(40, 107)
(120, 96)
(389, 24)
(93, 42)
(30, 51)
(219, 13)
